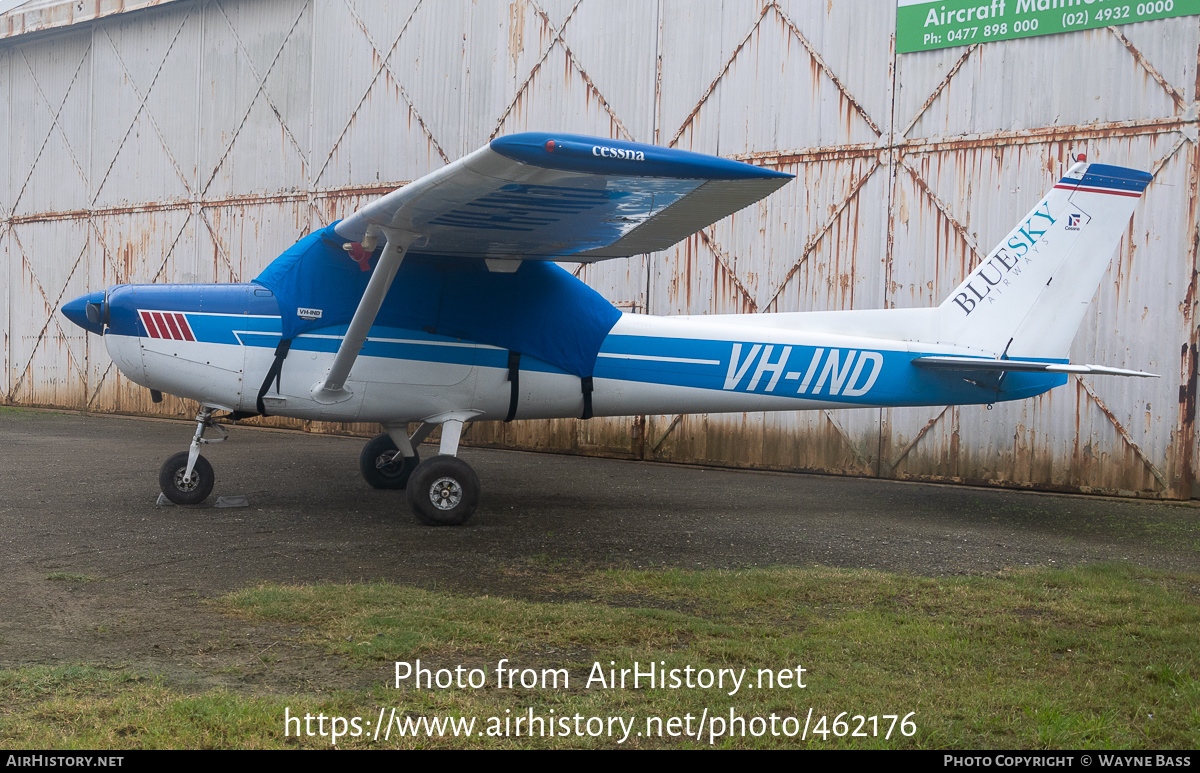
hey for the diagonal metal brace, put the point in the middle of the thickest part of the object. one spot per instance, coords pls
(333, 388)
(204, 421)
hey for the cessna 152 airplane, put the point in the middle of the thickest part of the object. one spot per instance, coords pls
(439, 303)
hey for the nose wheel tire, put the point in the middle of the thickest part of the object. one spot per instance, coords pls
(443, 491)
(377, 466)
(189, 490)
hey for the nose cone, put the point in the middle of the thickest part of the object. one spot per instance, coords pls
(77, 312)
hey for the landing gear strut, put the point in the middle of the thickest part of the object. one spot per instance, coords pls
(187, 478)
(442, 491)
(383, 466)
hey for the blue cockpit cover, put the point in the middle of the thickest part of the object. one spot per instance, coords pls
(540, 310)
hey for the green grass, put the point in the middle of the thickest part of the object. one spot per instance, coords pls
(1097, 657)
(80, 707)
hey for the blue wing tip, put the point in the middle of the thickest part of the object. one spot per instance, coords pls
(598, 155)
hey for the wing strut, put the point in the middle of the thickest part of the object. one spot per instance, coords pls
(333, 388)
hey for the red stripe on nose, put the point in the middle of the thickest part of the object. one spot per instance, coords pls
(184, 327)
(162, 321)
(151, 325)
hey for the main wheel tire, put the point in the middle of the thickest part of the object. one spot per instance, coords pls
(443, 491)
(377, 466)
(191, 490)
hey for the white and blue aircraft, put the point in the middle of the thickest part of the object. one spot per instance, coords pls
(439, 303)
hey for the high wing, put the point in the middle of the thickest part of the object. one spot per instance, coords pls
(541, 196)
(563, 197)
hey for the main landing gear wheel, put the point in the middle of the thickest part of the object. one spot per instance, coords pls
(189, 490)
(378, 467)
(443, 491)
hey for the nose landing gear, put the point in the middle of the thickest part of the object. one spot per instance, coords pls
(187, 478)
(182, 487)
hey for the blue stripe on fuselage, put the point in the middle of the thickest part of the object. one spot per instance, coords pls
(828, 374)
(386, 343)
(382, 342)
(825, 374)
(228, 329)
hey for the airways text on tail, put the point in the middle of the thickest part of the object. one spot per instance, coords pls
(439, 304)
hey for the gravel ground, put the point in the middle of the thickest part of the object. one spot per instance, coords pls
(80, 499)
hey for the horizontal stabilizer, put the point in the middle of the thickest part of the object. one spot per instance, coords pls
(1026, 366)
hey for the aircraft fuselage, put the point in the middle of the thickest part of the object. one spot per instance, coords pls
(214, 343)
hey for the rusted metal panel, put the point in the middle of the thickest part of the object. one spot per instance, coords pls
(623, 283)
(507, 47)
(536, 65)
(6, 97)
(143, 143)
(968, 152)
(684, 437)
(695, 64)
(614, 73)
(254, 109)
(843, 442)
(5, 315)
(44, 15)
(838, 442)
(196, 141)
(740, 110)
(541, 435)
(157, 246)
(580, 82)
(48, 359)
(329, 206)
(619, 436)
(1142, 318)
(384, 80)
(1030, 443)
(235, 242)
(135, 248)
(928, 432)
(854, 52)
(362, 429)
(1056, 80)
(50, 114)
(47, 258)
(6, 198)
(819, 243)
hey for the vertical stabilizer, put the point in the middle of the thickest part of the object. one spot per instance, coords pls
(1028, 297)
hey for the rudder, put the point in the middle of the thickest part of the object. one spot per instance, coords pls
(1028, 297)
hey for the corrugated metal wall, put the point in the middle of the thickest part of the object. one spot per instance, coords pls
(196, 140)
